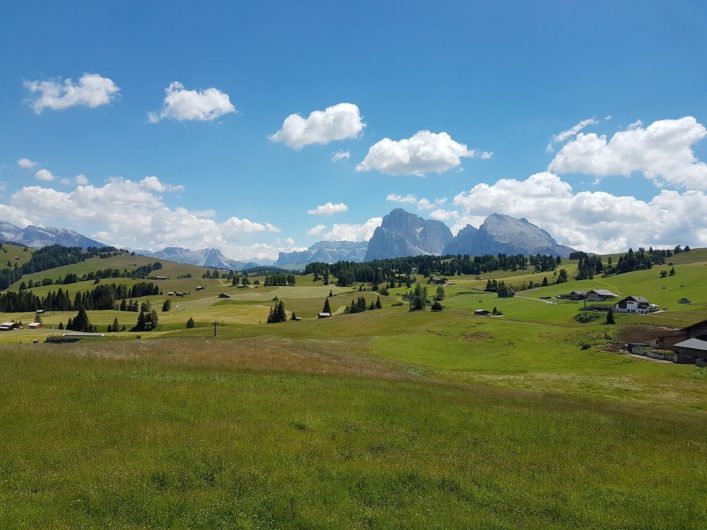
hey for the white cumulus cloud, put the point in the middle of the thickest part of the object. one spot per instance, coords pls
(45, 175)
(420, 204)
(181, 104)
(316, 230)
(328, 209)
(569, 133)
(590, 221)
(92, 90)
(662, 152)
(337, 122)
(129, 213)
(26, 163)
(424, 152)
(153, 183)
(441, 214)
(81, 180)
(353, 232)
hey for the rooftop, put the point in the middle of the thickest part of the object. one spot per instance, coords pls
(603, 292)
(693, 344)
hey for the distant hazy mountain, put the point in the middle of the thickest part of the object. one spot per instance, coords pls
(406, 234)
(38, 237)
(507, 235)
(323, 251)
(206, 257)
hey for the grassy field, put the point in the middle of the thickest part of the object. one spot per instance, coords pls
(383, 419)
(251, 434)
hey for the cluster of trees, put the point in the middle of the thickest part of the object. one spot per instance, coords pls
(100, 297)
(231, 274)
(642, 259)
(146, 318)
(140, 272)
(319, 274)
(279, 279)
(129, 305)
(665, 273)
(359, 305)
(144, 271)
(57, 256)
(9, 276)
(146, 321)
(504, 291)
(418, 299)
(379, 271)
(636, 261)
(500, 288)
(277, 313)
(80, 322)
(588, 266)
(114, 327)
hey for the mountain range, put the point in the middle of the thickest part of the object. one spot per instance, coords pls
(38, 237)
(323, 251)
(405, 234)
(502, 234)
(401, 234)
(205, 257)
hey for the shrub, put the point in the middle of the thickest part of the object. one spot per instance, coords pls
(585, 317)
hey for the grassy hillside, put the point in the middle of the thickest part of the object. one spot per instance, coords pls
(379, 419)
(12, 254)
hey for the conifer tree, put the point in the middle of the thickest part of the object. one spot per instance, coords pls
(439, 295)
(281, 313)
(327, 307)
(610, 317)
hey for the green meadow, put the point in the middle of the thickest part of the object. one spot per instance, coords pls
(380, 419)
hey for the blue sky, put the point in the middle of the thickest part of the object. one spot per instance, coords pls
(482, 78)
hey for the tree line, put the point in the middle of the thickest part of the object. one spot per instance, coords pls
(99, 298)
(642, 259)
(279, 280)
(378, 271)
(57, 256)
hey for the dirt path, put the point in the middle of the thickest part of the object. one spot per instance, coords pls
(551, 302)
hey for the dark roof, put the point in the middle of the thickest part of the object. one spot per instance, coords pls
(693, 344)
(639, 299)
(696, 324)
(604, 292)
